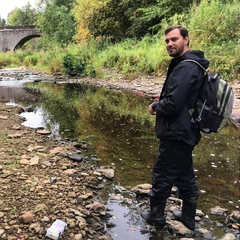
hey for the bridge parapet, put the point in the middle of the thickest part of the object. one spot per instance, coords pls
(19, 27)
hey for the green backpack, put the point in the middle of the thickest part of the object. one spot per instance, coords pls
(214, 103)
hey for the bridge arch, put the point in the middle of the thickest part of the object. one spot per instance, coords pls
(25, 39)
(13, 37)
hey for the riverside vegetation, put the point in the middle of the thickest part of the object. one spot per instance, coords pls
(213, 27)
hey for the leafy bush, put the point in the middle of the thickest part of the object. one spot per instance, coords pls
(215, 22)
(214, 28)
(30, 60)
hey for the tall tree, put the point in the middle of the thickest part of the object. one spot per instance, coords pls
(2, 22)
(100, 18)
(56, 20)
(23, 16)
(147, 19)
(118, 19)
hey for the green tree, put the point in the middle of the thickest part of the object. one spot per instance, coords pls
(56, 20)
(23, 16)
(2, 22)
(147, 19)
(119, 19)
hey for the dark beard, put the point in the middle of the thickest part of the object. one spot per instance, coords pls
(178, 53)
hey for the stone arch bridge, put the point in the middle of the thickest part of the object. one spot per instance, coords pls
(13, 37)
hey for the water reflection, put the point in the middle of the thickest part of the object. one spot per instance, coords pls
(121, 133)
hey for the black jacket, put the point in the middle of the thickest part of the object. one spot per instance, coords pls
(178, 95)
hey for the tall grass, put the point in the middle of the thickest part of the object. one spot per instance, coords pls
(213, 27)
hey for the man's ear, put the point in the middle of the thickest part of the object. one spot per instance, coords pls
(186, 41)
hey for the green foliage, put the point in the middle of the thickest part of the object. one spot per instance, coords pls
(214, 26)
(56, 22)
(74, 65)
(2, 22)
(23, 16)
(132, 57)
(214, 22)
(77, 61)
(117, 20)
(30, 60)
(100, 19)
(147, 18)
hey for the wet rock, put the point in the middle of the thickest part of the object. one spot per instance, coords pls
(179, 228)
(97, 207)
(86, 196)
(228, 236)
(29, 109)
(142, 189)
(233, 220)
(75, 157)
(234, 216)
(43, 132)
(218, 210)
(205, 233)
(199, 213)
(104, 238)
(108, 172)
(116, 198)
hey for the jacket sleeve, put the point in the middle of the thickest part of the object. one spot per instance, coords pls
(177, 91)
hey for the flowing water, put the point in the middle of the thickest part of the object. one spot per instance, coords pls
(121, 134)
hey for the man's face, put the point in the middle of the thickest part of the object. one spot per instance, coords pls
(176, 45)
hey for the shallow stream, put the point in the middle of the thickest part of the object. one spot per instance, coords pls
(121, 134)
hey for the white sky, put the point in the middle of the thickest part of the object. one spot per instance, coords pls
(6, 6)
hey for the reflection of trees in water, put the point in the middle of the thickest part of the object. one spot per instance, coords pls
(121, 131)
(17, 95)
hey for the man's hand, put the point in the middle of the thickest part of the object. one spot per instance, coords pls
(150, 109)
(155, 97)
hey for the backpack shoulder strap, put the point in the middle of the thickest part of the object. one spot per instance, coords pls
(200, 65)
(205, 73)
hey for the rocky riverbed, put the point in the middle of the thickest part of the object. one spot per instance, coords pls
(43, 180)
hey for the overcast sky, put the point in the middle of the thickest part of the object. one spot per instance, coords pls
(6, 6)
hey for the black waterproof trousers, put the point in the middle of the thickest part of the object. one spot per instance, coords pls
(174, 165)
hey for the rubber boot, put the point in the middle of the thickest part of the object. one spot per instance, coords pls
(187, 215)
(156, 213)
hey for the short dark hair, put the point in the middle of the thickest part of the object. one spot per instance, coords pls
(183, 30)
